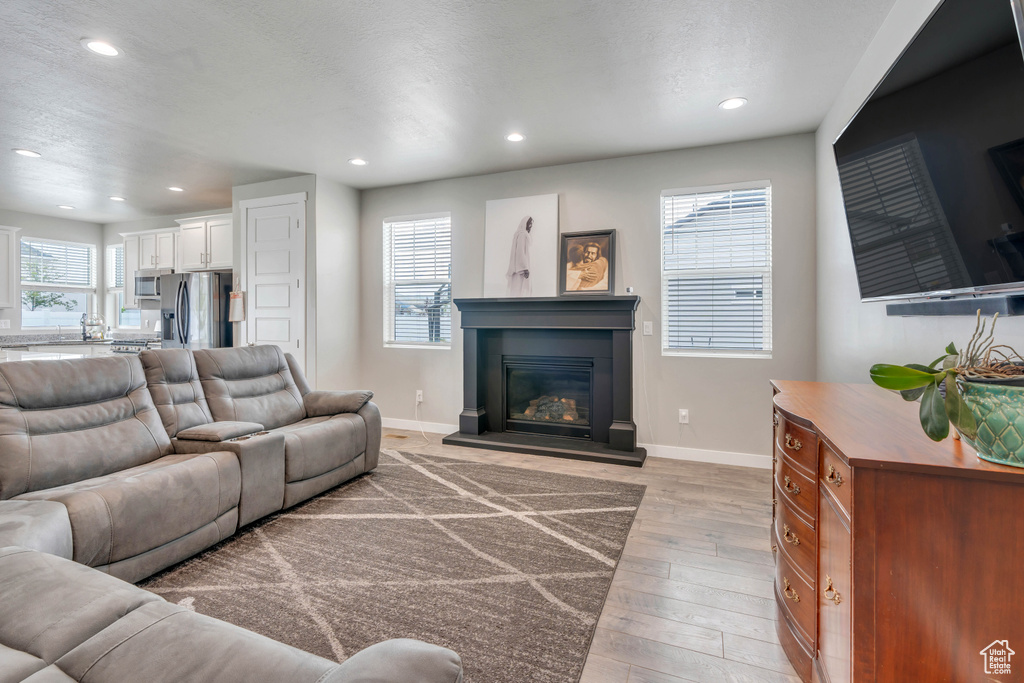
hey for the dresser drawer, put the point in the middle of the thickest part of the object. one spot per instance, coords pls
(796, 597)
(797, 443)
(797, 489)
(835, 476)
(796, 538)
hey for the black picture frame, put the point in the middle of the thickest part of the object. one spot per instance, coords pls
(574, 271)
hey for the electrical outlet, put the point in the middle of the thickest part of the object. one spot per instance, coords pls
(684, 416)
(648, 328)
(419, 396)
(5, 324)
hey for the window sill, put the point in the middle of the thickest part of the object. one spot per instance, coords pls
(762, 355)
(416, 345)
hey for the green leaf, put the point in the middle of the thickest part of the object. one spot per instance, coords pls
(951, 349)
(933, 413)
(922, 368)
(958, 411)
(912, 394)
(938, 360)
(899, 378)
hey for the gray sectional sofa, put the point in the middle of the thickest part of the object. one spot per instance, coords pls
(127, 465)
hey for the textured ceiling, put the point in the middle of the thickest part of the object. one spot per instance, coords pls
(208, 95)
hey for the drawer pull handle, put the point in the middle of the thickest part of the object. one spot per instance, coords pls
(789, 536)
(789, 592)
(835, 598)
(793, 444)
(775, 419)
(834, 477)
(791, 487)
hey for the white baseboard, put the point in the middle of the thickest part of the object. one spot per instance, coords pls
(414, 426)
(655, 450)
(702, 455)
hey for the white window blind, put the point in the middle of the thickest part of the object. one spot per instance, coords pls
(716, 271)
(115, 266)
(417, 281)
(66, 265)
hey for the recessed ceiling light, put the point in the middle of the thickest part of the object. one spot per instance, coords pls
(117, 199)
(357, 162)
(100, 47)
(176, 189)
(27, 153)
(66, 207)
(732, 103)
(515, 137)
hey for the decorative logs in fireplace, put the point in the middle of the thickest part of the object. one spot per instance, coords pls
(550, 376)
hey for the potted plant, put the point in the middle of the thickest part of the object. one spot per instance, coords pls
(980, 390)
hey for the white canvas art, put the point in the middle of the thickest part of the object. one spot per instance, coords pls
(521, 247)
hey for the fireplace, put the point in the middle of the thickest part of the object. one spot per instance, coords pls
(551, 376)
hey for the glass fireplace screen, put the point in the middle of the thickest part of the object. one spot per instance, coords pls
(551, 394)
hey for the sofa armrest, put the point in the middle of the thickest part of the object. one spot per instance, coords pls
(399, 661)
(261, 460)
(42, 525)
(219, 431)
(321, 403)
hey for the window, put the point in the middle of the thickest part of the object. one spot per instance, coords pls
(58, 282)
(716, 273)
(418, 281)
(116, 312)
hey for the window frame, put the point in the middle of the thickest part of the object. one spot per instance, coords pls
(113, 292)
(90, 292)
(766, 274)
(390, 282)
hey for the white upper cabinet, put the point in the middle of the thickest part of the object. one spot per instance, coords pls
(205, 243)
(9, 277)
(157, 249)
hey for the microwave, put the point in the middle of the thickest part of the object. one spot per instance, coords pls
(147, 283)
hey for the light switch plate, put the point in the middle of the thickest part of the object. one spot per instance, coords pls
(5, 324)
(648, 328)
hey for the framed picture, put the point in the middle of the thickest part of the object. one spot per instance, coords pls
(520, 238)
(586, 263)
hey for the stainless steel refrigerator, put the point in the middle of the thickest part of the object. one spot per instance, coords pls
(194, 310)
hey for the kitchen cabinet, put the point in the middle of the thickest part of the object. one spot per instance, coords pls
(157, 249)
(9, 261)
(206, 243)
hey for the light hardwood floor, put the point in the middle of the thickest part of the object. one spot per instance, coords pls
(691, 599)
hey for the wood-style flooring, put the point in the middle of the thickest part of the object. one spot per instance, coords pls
(692, 596)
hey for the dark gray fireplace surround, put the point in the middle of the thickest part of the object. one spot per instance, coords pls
(578, 348)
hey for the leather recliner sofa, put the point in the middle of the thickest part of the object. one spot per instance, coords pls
(89, 471)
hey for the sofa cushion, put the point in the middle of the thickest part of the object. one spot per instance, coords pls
(51, 605)
(320, 444)
(319, 403)
(164, 642)
(126, 513)
(219, 431)
(62, 421)
(16, 666)
(250, 384)
(177, 392)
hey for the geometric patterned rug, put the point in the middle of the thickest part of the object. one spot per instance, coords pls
(508, 567)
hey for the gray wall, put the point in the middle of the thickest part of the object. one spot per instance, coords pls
(337, 285)
(729, 399)
(853, 335)
(49, 227)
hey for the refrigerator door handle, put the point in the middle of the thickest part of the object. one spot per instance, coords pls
(178, 315)
(186, 301)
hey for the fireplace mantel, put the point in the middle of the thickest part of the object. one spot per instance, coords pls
(595, 328)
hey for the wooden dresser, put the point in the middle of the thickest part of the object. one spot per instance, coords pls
(897, 558)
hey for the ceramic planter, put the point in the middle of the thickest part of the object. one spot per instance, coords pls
(999, 411)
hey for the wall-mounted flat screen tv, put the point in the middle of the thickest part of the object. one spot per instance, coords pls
(932, 166)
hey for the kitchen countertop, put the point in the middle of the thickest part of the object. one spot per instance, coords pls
(42, 352)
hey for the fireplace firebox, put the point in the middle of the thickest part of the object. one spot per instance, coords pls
(551, 376)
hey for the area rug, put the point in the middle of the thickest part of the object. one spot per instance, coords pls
(509, 567)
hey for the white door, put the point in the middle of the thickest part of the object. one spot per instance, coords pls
(275, 277)
(220, 240)
(165, 250)
(147, 251)
(192, 246)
